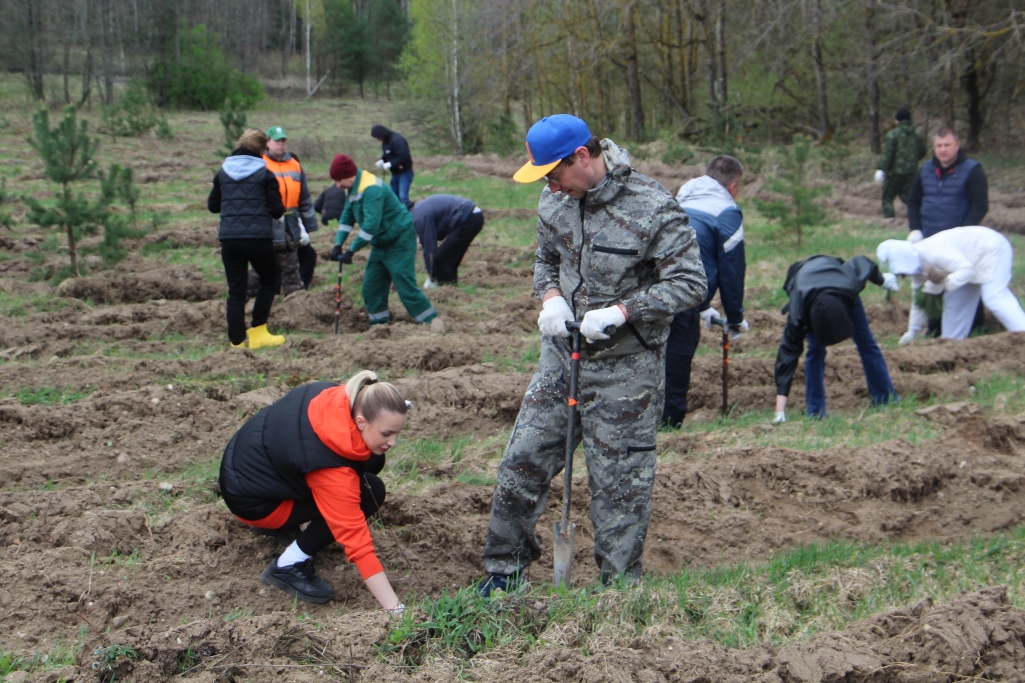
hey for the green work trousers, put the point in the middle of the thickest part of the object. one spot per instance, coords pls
(896, 185)
(391, 263)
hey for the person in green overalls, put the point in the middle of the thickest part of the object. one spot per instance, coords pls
(387, 226)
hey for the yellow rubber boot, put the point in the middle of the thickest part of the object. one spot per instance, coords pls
(260, 337)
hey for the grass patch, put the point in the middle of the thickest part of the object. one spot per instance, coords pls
(51, 396)
(807, 590)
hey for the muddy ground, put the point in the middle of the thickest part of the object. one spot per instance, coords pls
(104, 542)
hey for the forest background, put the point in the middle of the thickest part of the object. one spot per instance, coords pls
(738, 73)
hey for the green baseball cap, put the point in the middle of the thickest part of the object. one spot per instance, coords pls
(276, 133)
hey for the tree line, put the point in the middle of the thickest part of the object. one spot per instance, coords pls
(637, 69)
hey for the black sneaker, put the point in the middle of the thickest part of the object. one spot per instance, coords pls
(507, 583)
(299, 580)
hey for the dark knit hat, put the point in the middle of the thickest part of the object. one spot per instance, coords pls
(342, 167)
(830, 319)
(379, 132)
(903, 115)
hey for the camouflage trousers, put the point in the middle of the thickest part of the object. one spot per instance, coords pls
(620, 402)
(896, 185)
(288, 264)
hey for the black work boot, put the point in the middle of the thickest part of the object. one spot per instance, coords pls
(298, 580)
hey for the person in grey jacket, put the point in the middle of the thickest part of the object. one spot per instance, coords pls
(445, 225)
(247, 197)
(825, 307)
(614, 250)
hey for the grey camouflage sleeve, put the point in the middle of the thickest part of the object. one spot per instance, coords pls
(681, 283)
(546, 261)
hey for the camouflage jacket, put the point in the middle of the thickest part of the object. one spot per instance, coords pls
(627, 242)
(903, 148)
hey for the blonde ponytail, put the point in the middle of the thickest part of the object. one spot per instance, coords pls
(370, 398)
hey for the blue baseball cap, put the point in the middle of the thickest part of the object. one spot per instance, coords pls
(549, 141)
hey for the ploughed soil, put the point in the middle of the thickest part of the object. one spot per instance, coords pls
(104, 541)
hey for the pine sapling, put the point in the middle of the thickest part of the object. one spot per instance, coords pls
(67, 151)
(797, 211)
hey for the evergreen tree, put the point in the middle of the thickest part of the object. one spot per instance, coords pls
(67, 151)
(798, 211)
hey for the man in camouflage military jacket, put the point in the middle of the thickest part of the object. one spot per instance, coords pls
(614, 248)
(903, 148)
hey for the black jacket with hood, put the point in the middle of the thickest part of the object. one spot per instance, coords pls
(806, 280)
(247, 197)
(394, 149)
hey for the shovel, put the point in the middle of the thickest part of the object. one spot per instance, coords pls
(338, 297)
(725, 363)
(565, 530)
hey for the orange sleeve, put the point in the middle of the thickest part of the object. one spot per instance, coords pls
(336, 493)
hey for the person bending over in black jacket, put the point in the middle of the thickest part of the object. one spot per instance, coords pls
(825, 307)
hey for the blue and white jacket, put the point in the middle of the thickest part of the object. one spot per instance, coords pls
(719, 224)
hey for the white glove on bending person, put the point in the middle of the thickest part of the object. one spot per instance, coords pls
(554, 314)
(387, 166)
(594, 323)
(915, 236)
(933, 288)
(707, 316)
(379, 163)
(304, 237)
(428, 283)
(781, 416)
(890, 282)
(880, 176)
(909, 336)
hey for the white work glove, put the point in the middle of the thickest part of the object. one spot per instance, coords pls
(428, 284)
(554, 315)
(594, 323)
(915, 236)
(737, 331)
(387, 166)
(933, 288)
(909, 336)
(880, 176)
(707, 316)
(781, 416)
(304, 237)
(890, 282)
(379, 163)
(396, 611)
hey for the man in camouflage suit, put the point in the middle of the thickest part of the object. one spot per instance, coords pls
(903, 148)
(618, 246)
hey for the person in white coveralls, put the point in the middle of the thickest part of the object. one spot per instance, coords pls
(965, 264)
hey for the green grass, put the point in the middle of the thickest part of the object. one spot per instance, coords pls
(51, 396)
(796, 594)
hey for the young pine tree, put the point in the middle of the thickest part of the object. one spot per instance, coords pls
(67, 151)
(797, 211)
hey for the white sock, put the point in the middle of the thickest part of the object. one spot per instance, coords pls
(292, 555)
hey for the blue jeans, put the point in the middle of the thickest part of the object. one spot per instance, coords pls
(400, 183)
(880, 388)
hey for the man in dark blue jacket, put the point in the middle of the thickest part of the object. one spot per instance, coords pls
(395, 157)
(949, 191)
(445, 225)
(719, 225)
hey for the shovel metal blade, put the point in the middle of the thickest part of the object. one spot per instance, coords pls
(564, 552)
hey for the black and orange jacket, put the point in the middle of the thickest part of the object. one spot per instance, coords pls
(305, 446)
